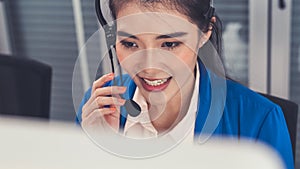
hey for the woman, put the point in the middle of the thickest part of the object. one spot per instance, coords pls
(169, 98)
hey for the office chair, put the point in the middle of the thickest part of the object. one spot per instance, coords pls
(25, 87)
(290, 111)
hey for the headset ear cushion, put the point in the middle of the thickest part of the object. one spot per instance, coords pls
(209, 13)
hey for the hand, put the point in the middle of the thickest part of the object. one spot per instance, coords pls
(103, 107)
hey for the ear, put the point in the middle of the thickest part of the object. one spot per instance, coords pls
(205, 36)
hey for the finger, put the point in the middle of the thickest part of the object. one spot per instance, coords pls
(101, 119)
(99, 113)
(95, 118)
(109, 101)
(102, 80)
(100, 102)
(104, 91)
(116, 114)
(113, 90)
(89, 107)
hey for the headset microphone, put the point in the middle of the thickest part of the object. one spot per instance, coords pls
(132, 108)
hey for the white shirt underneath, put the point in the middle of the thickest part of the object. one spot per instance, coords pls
(141, 126)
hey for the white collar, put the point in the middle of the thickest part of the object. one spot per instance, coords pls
(144, 128)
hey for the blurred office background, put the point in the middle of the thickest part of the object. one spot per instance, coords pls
(262, 43)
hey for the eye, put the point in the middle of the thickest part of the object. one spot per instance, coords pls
(170, 45)
(128, 44)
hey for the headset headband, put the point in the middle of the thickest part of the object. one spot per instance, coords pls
(110, 30)
(209, 13)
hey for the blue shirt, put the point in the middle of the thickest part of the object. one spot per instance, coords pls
(246, 114)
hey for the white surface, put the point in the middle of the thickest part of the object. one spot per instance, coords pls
(79, 25)
(281, 41)
(31, 144)
(4, 35)
(258, 45)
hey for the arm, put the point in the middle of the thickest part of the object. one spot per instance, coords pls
(275, 133)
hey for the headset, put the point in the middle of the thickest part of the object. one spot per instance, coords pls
(131, 106)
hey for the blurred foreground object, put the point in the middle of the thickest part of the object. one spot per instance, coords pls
(53, 145)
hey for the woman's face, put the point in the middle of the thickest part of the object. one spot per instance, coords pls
(156, 47)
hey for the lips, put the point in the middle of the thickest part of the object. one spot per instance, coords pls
(155, 84)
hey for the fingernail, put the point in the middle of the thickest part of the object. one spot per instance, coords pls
(110, 75)
(121, 101)
(112, 109)
(122, 89)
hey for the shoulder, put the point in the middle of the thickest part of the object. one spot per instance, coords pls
(249, 108)
(259, 119)
(241, 95)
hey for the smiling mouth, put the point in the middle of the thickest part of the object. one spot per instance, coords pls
(155, 84)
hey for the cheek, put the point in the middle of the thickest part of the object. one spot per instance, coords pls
(189, 58)
(120, 54)
(127, 60)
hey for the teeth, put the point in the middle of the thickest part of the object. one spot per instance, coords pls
(156, 82)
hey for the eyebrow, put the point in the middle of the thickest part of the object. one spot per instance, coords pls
(171, 35)
(125, 34)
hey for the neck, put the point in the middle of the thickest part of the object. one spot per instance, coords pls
(175, 109)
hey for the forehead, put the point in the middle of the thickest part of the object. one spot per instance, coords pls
(136, 19)
(133, 7)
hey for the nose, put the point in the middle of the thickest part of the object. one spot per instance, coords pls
(153, 62)
(146, 59)
(151, 72)
(150, 57)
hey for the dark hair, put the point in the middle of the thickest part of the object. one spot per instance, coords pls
(196, 10)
